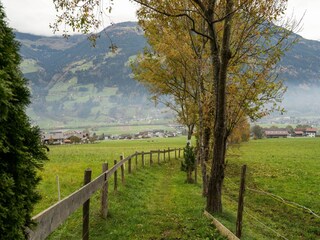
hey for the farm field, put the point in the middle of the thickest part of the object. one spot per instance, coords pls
(69, 162)
(154, 203)
(281, 173)
(282, 188)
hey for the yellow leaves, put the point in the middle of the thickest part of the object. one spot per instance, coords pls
(180, 61)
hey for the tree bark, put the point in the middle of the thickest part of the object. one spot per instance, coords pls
(220, 66)
(205, 159)
(190, 132)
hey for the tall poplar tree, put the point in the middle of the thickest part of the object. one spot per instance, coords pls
(21, 153)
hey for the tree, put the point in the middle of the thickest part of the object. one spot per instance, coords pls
(241, 133)
(243, 51)
(257, 132)
(188, 165)
(166, 68)
(244, 46)
(21, 153)
(290, 129)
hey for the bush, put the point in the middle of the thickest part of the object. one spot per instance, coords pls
(188, 165)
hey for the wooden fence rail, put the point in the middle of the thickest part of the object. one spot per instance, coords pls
(51, 218)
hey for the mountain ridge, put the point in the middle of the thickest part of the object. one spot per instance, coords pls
(71, 80)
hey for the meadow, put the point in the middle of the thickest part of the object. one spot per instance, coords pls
(69, 162)
(282, 198)
(154, 203)
(282, 189)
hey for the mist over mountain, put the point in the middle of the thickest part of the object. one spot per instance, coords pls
(74, 83)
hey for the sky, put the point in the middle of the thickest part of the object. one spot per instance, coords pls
(34, 16)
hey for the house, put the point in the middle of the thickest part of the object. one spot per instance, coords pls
(61, 137)
(55, 137)
(298, 133)
(305, 132)
(310, 132)
(278, 133)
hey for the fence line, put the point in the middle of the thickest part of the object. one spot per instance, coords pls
(270, 229)
(275, 197)
(257, 220)
(279, 199)
(288, 203)
(51, 218)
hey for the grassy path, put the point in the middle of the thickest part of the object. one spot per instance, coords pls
(155, 203)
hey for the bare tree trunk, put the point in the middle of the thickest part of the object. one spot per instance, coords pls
(190, 132)
(205, 159)
(201, 148)
(221, 59)
(189, 176)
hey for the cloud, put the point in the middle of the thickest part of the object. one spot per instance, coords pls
(308, 10)
(34, 16)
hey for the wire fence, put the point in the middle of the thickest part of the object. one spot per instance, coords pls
(268, 215)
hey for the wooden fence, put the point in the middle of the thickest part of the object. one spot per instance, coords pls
(51, 218)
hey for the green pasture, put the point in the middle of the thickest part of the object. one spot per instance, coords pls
(29, 66)
(154, 203)
(281, 173)
(69, 162)
(282, 187)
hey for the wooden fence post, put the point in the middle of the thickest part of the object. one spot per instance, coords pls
(169, 153)
(104, 193)
(196, 170)
(122, 170)
(58, 184)
(151, 162)
(86, 208)
(129, 165)
(142, 158)
(164, 155)
(115, 178)
(179, 153)
(158, 156)
(240, 203)
(136, 159)
(175, 153)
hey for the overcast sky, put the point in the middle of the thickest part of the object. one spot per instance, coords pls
(34, 16)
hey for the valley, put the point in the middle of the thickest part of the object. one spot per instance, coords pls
(74, 84)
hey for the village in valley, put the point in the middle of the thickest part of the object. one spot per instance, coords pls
(57, 137)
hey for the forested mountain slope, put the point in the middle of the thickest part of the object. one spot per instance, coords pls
(75, 83)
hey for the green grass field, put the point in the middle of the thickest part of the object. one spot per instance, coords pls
(281, 172)
(156, 204)
(69, 162)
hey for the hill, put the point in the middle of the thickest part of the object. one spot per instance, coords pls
(76, 84)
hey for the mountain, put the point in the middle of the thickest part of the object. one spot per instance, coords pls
(74, 83)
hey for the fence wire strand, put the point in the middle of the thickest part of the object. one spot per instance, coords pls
(260, 222)
(279, 199)
(269, 228)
